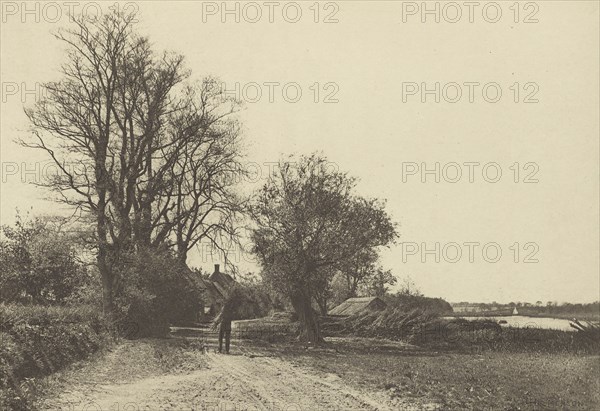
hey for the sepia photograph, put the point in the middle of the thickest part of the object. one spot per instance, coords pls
(303, 205)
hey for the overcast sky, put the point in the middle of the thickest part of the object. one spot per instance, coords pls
(361, 81)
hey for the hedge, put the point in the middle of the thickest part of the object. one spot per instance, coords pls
(38, 340)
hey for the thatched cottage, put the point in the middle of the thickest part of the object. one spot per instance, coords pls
(214, 290)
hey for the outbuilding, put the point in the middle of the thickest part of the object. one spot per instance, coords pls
(358, 305)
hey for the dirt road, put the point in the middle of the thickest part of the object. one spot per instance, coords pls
(241, 381)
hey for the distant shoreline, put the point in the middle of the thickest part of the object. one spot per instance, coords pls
(559, 316)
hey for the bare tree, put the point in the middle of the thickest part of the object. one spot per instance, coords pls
(137, 149)
(201, 202)
(75, 126)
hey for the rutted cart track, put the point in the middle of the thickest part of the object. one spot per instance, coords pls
(240, 381)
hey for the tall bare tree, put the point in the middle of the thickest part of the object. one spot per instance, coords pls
(204, 203)
(75, 125)
(126, 133)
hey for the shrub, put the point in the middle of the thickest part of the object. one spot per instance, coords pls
(155, 292)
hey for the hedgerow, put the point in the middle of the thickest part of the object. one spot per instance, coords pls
(38, 340)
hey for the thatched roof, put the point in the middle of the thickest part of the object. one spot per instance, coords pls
(215, 286)
(222, 279)
(358, 304)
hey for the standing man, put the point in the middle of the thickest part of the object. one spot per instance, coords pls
(224, 319)
(236, 307)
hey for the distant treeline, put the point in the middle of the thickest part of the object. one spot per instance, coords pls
(550, 309)
(567, 310)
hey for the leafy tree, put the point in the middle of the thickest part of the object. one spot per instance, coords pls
(308, 220)
(338, 290)
(380, 282)
(265, 298)
(359, 269)
(38, 262)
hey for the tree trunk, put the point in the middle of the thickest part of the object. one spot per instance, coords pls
(107, 288)
(104, 268)
(309, 325)
(182, 250)
(352, 285)
(103, 256)
(353, 288)
(322, 302)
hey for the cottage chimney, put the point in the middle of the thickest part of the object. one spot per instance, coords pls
(217, 268)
